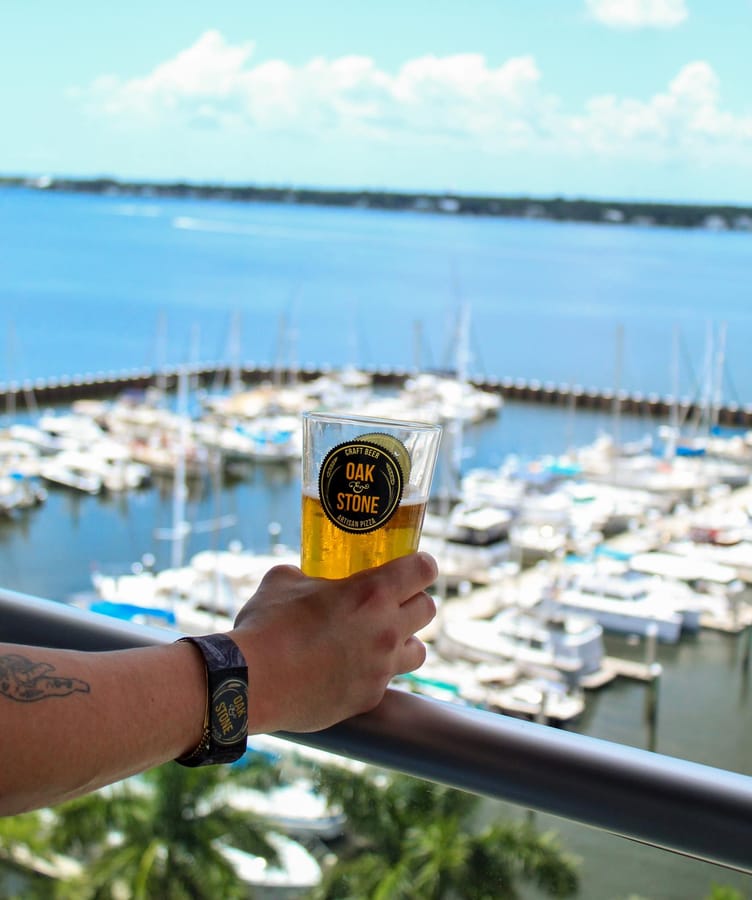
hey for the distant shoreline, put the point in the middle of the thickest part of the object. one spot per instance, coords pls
(714, 217)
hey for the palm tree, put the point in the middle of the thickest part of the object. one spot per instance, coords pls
(412, 840)
(160, 835)
(26, 859)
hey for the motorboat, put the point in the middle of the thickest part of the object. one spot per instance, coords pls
(60, 472)
(543, 700)
(296, 809)
(295, 874)
(476, 524)
(18, 492)
(533, 543)
(736, 556)
(627, 602)
(109, 463)
(470, 563)
(541, 642)
(201, 597)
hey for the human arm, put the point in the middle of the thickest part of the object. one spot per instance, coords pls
(318, 651)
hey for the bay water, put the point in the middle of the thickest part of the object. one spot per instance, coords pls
(90, 282)
(103, 283)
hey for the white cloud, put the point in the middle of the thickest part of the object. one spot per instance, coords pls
(685, 121)
(638, 13)
(457, 99)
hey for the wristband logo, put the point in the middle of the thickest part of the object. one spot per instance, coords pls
(229, 721)
(360, 485)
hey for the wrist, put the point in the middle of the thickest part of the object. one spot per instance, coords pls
(263, 690)
(225, 720)
(194, 677)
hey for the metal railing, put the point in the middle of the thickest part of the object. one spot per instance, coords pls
(691, 809)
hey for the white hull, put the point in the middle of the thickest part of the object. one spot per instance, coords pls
(532, 647)
(667, 626)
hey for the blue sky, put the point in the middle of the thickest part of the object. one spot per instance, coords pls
(648, 99)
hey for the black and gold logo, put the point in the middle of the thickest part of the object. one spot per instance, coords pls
(361, 482)
(229, 720)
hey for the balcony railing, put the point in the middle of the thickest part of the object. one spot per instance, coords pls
(680, 806)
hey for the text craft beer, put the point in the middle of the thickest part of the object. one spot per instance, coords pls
(329, 552)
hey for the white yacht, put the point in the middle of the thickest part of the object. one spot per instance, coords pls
(737, 556)
(294, 875)
(73, 430)
(268, 439)
(18, 492)
(571, 646)
(477, 524)
(471, 563)
(629, 602)
(293, 808)
(108, 462)
(449, 398)
(541, 699)
(533, 542)
(690, 569)
(680, 478)
(60, 472)
(198, 598)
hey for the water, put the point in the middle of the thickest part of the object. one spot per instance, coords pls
(95, 282)
(102, 283)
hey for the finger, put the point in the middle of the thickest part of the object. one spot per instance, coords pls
(401, 577)
(417, 612)
(411, 656)
(283, 571)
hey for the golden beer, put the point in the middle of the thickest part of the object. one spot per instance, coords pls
(330, 552)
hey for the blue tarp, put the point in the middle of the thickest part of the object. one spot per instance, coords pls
(612, 554)
(129, 611)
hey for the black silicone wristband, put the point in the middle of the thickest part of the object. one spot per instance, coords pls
(226, 727)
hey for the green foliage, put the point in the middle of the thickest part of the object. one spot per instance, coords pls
(724, 892)
(24, 838)
(411, 840)
(158, 835)
(28, 831)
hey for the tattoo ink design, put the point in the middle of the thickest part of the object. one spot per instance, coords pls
(25, 681)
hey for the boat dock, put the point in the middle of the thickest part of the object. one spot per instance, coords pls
(524, 588)
(101, 385)
(618, 667)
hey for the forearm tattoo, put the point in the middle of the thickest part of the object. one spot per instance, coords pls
(26, 681)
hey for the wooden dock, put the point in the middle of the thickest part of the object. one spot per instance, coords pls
(613, 667)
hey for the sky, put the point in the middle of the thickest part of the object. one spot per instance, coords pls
(605, 99)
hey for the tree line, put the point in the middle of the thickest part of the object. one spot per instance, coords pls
(558, 209)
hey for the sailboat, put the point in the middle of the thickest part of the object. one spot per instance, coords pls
(467, 538)
(201, 596)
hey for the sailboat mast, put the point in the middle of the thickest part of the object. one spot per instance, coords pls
(720, 360)
(673, 431)
(616, 402)
(234, 353)
(180, 486)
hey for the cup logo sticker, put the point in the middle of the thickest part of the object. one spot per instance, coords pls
(360, 485)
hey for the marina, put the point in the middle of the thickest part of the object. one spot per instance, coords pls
(537, 560)
(354, 317)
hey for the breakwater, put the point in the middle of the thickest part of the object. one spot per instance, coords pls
(53, 391)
